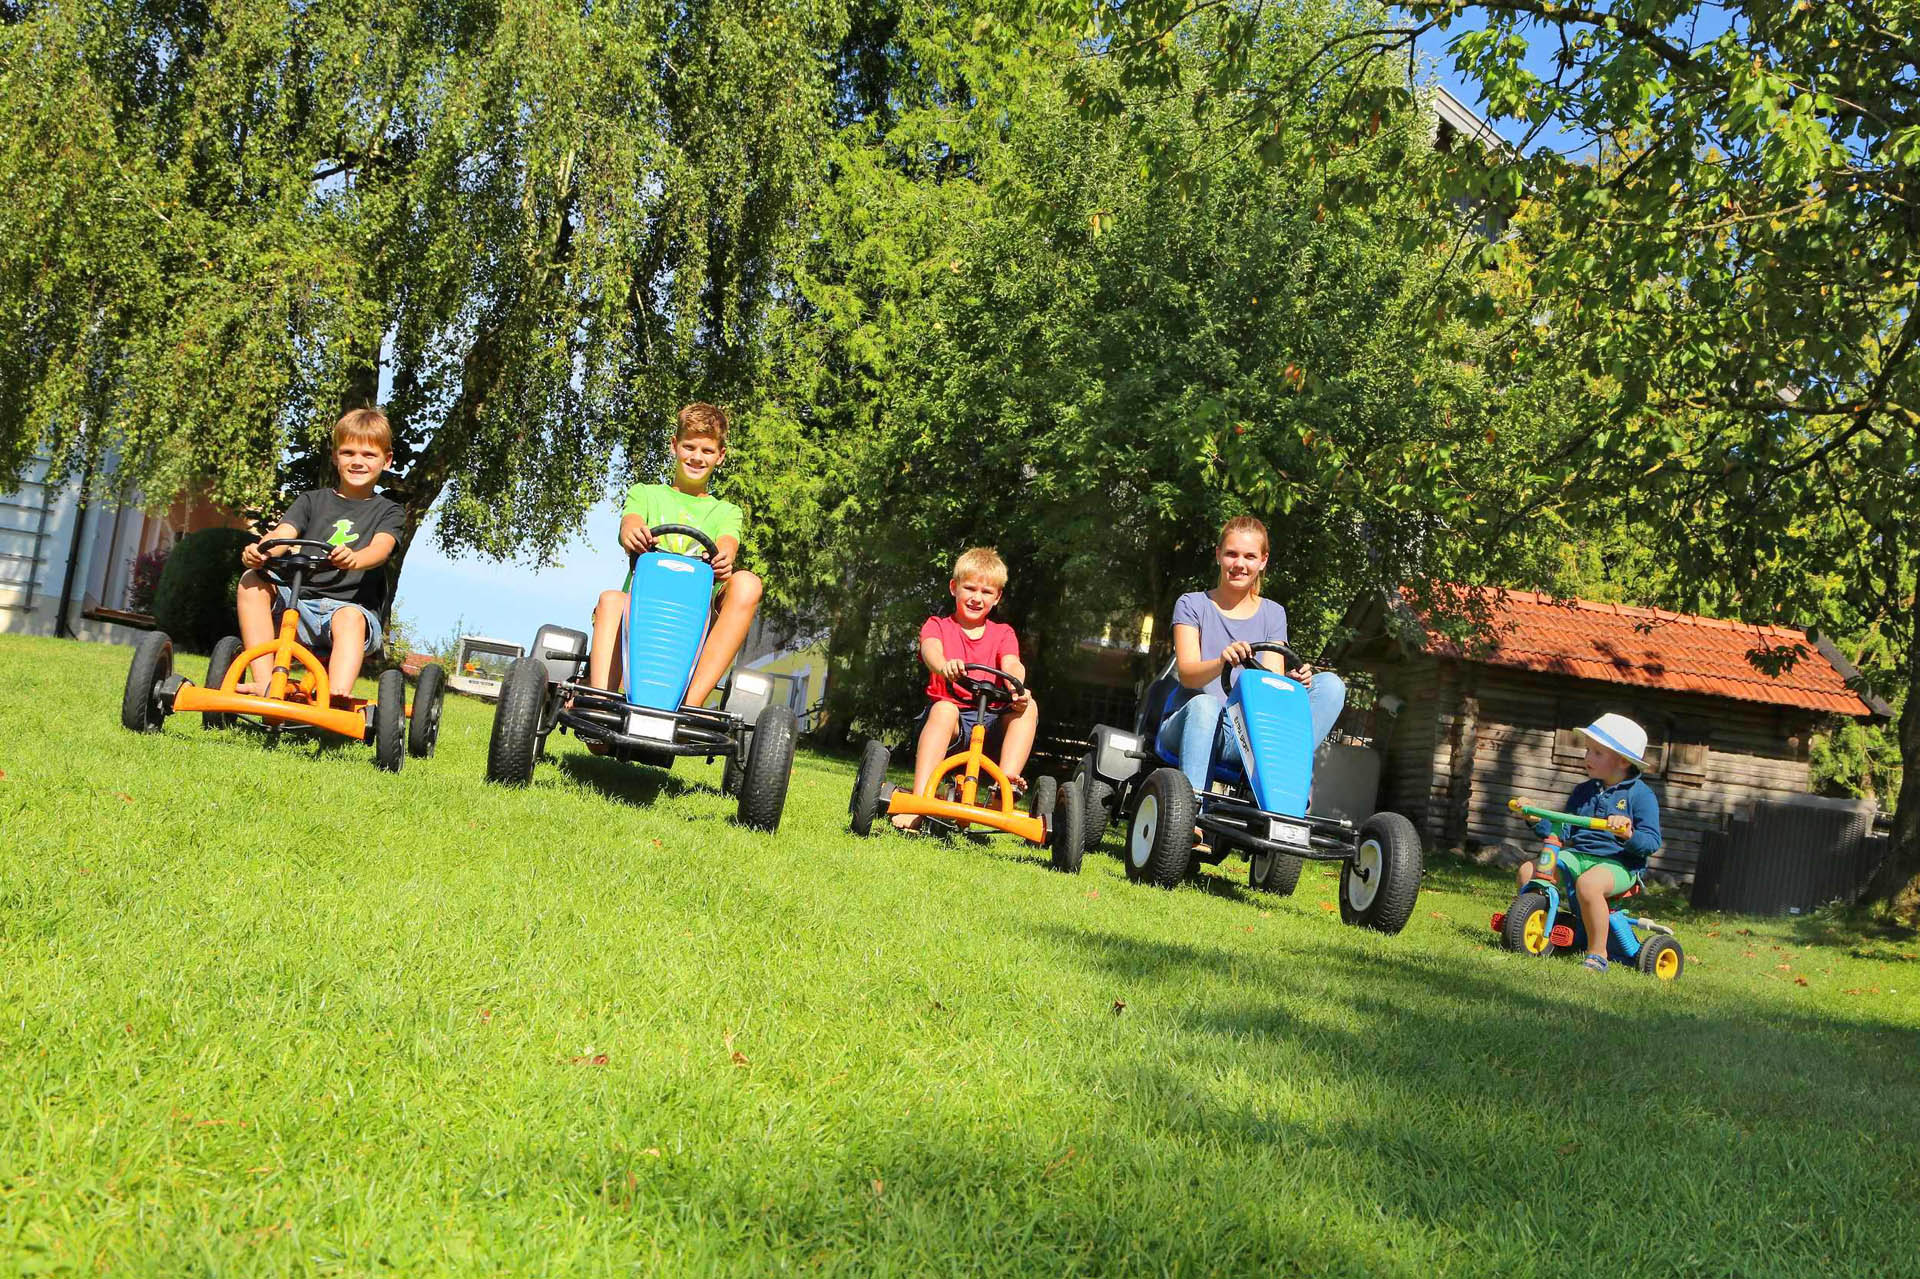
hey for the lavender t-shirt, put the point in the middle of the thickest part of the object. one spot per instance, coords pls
(1196, 609)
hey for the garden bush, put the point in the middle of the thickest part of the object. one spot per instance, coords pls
(194, 602)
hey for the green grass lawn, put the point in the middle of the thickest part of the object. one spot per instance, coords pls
(268, 1011)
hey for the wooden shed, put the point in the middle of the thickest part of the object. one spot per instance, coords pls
(1485, 720)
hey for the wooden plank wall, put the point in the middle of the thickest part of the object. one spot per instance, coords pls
(1754, 752)
(1408, 779)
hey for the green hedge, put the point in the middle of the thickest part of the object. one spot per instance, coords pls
(194, 603)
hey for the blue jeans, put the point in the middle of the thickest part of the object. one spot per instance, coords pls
(1194, 733)
(316, 618)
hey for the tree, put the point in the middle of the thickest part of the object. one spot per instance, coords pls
(542, 225)
(1729, 261)
(1002, 335)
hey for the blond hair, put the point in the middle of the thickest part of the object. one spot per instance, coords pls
(364, 426)
(1246, 524)
(701, 420)
(981, 562)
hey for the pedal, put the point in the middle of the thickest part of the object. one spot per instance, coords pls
(1562, 935)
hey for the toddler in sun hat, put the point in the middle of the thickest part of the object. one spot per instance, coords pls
(1601, 863)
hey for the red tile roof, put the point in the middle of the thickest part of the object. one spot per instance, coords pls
(1652, 648)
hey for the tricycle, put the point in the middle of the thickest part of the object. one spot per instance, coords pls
(1532, 924)
(955, 797)
(298, 699)
(1259, 808)
(668, 609)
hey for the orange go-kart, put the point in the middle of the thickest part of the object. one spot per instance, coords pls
(948, 802)
(298, 699)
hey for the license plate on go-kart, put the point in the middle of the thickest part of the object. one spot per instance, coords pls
(1283, 832)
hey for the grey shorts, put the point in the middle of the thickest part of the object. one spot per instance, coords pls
(316, 618)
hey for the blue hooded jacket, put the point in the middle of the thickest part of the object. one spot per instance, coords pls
(1631, 798)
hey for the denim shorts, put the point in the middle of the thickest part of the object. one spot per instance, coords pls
(996, 722)
(316, 618)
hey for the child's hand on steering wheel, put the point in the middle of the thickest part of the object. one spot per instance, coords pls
(722, 565)
(953, 668)
(251, 556)
(637, 539)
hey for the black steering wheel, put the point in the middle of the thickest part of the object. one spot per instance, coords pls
(999, 688)
(658, 531)
(310, 557)
(1289, 658)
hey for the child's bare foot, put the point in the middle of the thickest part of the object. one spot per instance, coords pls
(906, 821)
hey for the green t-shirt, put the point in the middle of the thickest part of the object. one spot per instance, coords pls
(664, 504)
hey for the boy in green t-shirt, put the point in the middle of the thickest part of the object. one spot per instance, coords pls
(699, 445)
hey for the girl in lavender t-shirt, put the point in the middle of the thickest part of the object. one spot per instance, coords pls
(1213, 634)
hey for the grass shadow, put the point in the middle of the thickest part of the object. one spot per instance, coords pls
(640, 785)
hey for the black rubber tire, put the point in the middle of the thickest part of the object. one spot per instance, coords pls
(867, 785)
(141, 710)
(390, 721)
(516, 723)
(1096, 810)
(1066, 840)
(1042, 796)
(224, 651)
(1513, 933)
(1276, 873)
(423, 726)
(763, 786)
(1385, 905)
(1650, 958)
(1160, 830)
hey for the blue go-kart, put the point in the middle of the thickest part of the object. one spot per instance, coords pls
(1539, 922)
(1260, 810)
(668, 607)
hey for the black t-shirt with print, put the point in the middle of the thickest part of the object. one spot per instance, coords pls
(324, 516)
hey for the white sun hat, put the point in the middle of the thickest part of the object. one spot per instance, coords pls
(1621, 736)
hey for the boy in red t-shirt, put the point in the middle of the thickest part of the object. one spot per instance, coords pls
(947, 644)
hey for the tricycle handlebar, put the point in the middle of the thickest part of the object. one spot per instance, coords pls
(1564, 819)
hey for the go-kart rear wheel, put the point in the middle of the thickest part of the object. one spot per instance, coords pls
(1662, 957)
(1525, 928)
(1042, 796)
(1160, 836)
(218, 665)
(763, 786)
(423, 726)
(390, 721)
(1276, 873)
(867, 785)
(1097, 808)
(1066, 833)
(1382, 881)
(142, 707)
(516, 723)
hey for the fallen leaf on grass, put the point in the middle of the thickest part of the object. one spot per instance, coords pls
(1569, 1148)
(1093, 892)
(1799, 981)
(1746, 932)
(652, 1150)
(1119, 1006)
(129, 1028)
(261, 1171)
(879, 1187)
(1328, 906)
(654, 842)
(1436, 914)
(486, 1014)
(1714, 933)
(739, 1059)
(124, 797)
(1861, 990)
(1747, 954)
(1786, 967)
(1246, 928)
(598, 1059)
(3, 774)
(1266, 914)
(1058, 1164)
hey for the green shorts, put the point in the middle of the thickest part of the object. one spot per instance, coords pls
(1573, 865)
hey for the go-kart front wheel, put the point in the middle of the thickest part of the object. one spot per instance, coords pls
(423, 726)
(1160, 836)
(1662, 957)
(143, 707)
(1525, 927)
(1066, 831)
(517, 718)
(228, 648)
(1276, 873)
(1379, 885)
(763, 786)
(867, 785)
(390, 721)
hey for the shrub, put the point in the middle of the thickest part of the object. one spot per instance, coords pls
(146, 579)
(194, 601)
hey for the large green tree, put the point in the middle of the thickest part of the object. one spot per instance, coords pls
(1729, 260)
(542, 224)
(1004, 335)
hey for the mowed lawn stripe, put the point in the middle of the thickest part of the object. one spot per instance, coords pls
(275, 1010)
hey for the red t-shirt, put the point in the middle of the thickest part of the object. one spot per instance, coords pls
(996, 641)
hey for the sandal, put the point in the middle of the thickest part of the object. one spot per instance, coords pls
(1595, 963)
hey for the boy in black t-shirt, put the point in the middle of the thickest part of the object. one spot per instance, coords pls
(339, 608)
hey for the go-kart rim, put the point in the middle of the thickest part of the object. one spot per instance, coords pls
(1362, 880)
(1666, 965)
(1146, 824)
